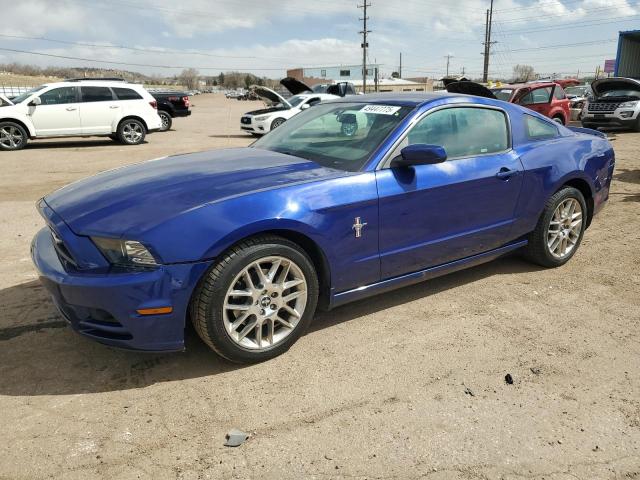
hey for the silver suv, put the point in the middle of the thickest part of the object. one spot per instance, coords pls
(615, 103)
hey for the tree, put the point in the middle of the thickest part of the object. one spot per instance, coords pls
(221, 80)
(189, 78)
(523, 73)
(248, 81)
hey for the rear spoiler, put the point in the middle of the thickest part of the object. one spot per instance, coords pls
(588, 131)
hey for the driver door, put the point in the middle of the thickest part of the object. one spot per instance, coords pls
(434, 214)
(58, 114)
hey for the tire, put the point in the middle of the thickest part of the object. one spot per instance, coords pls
(131, 131)
(257, 135)
(259, 307)
(166, 120)
(12, 136)
(637, 125)
(542, 241)
(277, 122)
(114, 137)
(558, 119)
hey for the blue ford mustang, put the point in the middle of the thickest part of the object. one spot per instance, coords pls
(348, 199)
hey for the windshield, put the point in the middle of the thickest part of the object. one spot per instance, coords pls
(21, 98)
(621, 93)
(577, 91)
(295, 100)
(335, 135)
(503, 94)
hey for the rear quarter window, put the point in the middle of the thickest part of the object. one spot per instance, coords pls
(538, 129)
(127, 94)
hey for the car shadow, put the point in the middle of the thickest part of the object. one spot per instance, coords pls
(627, 175)
(41, 355)
(40, 144)
(245, 136)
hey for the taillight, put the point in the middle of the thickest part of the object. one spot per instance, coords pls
(154, 104)
(185, 100)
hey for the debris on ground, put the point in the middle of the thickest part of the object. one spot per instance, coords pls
(468, 391)
(509, 379)
(535, 370)
(235, 438)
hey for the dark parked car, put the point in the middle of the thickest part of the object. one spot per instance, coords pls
(171, 105)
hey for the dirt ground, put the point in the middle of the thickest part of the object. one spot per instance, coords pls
(408, 384)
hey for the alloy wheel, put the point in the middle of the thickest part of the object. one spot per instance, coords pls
(565, 228)
(11, 137)
(265, 303)
(132, 132)
(165, 121)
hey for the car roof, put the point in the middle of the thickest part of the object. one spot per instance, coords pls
(525, 85)
(93, 83)
(408, 99)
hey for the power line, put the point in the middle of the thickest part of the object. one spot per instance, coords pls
(132, 64)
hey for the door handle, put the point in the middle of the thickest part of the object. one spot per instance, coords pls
(114, 106)
(505, 173)
(71, 109)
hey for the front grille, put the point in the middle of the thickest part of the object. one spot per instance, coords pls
(62, 250)
(603, 107)
(245, 120)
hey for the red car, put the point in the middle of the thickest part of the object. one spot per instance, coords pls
(546, 98)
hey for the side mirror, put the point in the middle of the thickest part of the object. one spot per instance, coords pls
(305, 106)
(35, 102)
(419, 154)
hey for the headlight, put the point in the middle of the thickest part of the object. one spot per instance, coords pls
(261, 118)
(628, 104)
(125, 253)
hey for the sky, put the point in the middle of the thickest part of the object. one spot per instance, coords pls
(266, 37)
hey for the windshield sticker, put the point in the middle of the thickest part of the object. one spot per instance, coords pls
(380, 109)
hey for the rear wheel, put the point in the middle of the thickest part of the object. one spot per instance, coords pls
(257, 300)
(12, 136)
(131, 132)
(560, 228)
(166, 120)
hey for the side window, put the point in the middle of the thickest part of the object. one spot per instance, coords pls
(558, 93)
(59, 96)
(96, 94)
(538, 129)
(127, 94)
(539, 95)
(313, 101)
(463, 131)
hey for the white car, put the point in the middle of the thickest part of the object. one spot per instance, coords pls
(120, 110)
(279, 110)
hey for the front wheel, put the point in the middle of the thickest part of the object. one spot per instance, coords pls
(165, 119)
(12, 136)
(560, 228)
(131, 132)
(257, 300)
(277, 122)
(558, 119)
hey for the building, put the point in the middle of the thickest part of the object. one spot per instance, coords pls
(397, 85)
(339, 73)
(628, 57)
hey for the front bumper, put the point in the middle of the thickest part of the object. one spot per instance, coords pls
(615, 119)
(259, 128)
(103, 306)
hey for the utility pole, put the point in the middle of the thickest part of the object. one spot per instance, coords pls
(448, 57)
(364, 45)
(487, 43)
(400, 68)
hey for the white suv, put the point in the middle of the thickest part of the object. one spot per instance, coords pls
(120, 110)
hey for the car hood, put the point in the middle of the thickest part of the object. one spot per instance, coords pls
(134, 199)
(605, 85)
(296, 87)
(271, 97)
(470, 88)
